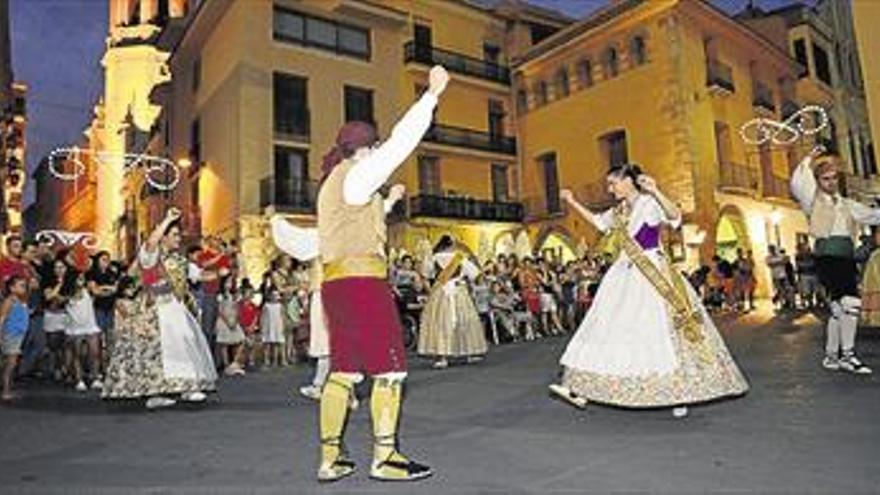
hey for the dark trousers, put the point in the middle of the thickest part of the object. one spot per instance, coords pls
(33, 345)
(210, 310)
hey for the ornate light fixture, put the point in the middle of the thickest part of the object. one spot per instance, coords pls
(161, 173)
(807, 121)
(68, 238)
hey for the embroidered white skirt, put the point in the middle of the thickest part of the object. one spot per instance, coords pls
(627, 351)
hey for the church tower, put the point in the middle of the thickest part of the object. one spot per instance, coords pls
(133, 66)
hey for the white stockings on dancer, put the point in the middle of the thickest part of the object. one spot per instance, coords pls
(322, 369)
(842, 326)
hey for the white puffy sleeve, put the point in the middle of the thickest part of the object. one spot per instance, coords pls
(803, 184)
(864, 214)
(604, 221)
(469, 269)
(654, 214)
(368, 174)
(300, 243)
(147, 258)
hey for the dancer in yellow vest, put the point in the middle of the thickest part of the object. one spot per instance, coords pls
(834, 223)
(365, 331)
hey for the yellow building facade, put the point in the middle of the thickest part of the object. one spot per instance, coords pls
(259, 89)
(666, 84)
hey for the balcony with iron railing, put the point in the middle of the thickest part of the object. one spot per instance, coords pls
(719, 77)
(463, 208)
(594, 196)
(762, 98)
(737, 177)
(456, 62)
(469, 138)
(539, 208)
(289, 195)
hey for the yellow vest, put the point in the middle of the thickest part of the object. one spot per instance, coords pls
(348, 231)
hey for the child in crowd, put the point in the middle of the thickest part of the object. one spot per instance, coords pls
(272, 328)
(296, 312)
(55, 319)
(13, 327)
(230, 335)
(249, 318)
(83, 330)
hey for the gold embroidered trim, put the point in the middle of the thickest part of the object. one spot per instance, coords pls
(355, 266)
(686, 319)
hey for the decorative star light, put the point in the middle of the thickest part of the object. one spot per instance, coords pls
(807, 121)
(68, 238)
(155, 168)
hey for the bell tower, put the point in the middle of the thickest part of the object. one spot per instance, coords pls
(133, 66)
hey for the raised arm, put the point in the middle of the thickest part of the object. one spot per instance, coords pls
(368, 175)
(671, 212)
(597, 221)
(156, 236)
(803, 181)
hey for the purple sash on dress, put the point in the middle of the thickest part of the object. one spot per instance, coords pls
(648, 236)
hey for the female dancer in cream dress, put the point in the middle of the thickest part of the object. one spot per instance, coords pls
(647, 340)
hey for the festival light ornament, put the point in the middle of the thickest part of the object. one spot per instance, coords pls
(809, 120)
(67, 238)
(161, 173)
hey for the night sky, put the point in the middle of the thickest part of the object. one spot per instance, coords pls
(57, 46)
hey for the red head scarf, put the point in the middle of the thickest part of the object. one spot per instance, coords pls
(352, 136)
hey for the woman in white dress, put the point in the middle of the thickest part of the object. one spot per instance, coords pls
(450, 325)
(82, 328)
(187, 364)
(647, 340)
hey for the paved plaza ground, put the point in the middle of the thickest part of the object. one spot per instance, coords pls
(489, 428)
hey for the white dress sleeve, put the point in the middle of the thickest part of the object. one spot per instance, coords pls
(655, 215)
(300, 243)
(147, 258)
(803, 184)
(469, 269)
(369, 173)
(605, 220)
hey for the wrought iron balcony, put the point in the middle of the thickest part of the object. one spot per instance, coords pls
(468, 138)
(465, 208)
(738, 177)
(289, 196)
(456, 62)
(762, 98)
(719, 77)
(593, 195)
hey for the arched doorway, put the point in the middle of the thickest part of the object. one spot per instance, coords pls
(555, 243)
(731, 233)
